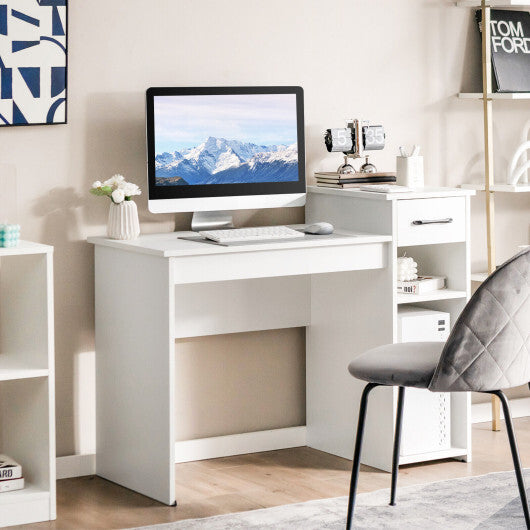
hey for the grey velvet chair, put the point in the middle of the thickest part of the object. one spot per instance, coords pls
(487, 351)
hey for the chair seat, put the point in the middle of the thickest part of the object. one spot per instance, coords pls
(409, 364)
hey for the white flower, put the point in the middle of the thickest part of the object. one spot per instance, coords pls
(97, 184)
(129, 188)
(114, 181)
(118, 196)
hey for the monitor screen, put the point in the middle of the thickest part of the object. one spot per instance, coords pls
(210, 142)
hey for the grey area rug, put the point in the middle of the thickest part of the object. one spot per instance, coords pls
(485, 502)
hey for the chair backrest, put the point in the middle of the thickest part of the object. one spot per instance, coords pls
(489, 347)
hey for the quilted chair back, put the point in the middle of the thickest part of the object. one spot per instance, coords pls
(489, 347)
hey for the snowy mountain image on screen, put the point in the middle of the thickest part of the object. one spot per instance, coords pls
(220, 161)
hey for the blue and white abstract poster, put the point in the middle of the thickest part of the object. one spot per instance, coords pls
(225, 139)
(32, 62)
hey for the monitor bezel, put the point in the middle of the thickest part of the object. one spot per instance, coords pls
(223, 190)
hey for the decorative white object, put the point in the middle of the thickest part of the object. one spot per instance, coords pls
(409, 168)
(407, 269)
(123, 220)
(519, 174)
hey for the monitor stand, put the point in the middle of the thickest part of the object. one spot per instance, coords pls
(211, 220)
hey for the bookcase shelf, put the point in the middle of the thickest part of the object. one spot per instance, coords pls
(29, 493)
(494, 3)
(441, 294)
(27, 380)
(479, 276)
(14, 374)
(502, 188)
(495, 95)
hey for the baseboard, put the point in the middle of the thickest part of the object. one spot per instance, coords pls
(201, 449)
(239, 444)
(75, 466)
(481, 412)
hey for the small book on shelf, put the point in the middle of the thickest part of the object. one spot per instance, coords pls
(422, 285)
(11, 484)
(9, 469)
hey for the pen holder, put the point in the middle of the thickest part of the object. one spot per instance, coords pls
(9, 235)
(409, 171)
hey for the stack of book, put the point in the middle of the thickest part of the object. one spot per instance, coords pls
(353, 180)
(422, 285)
(11, 478)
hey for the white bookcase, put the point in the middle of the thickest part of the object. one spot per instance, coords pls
(440, 249)
(27, 387)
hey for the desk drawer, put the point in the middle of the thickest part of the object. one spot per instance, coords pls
(428, 221)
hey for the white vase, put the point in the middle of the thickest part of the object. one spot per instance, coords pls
(123, 221)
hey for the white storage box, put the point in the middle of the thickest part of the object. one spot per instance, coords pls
(426, 415)
(416, 324)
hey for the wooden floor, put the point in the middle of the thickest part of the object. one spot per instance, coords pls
(261, 480)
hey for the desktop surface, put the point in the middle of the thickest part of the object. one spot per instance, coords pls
(428, 192)
(170, 244)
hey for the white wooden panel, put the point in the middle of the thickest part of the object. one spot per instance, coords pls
(171, 245)
(351, 312)
(350, 213)
(288, 262)
(135, 370)
(25, 305)
(409, 211)
(24, 507)
(244, 305)
(461, 422)
(26, 428)
(76, 466)
(239, 444)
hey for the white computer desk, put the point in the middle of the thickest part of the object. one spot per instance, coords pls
(159, 288)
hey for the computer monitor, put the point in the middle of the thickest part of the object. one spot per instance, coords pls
(221, 149)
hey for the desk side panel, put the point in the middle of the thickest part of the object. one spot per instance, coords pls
(351, 312)
(135, 372)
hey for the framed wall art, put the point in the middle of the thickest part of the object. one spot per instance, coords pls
(33, 62)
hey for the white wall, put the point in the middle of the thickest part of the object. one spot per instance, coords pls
(395, 62)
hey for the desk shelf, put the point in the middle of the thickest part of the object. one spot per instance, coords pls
(441, 294)
(453, 452)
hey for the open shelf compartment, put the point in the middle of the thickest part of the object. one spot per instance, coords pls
(25, 436)
(25, 305)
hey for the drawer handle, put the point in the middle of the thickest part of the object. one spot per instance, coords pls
(446, 221)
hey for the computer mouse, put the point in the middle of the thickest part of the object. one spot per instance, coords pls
(319, 229)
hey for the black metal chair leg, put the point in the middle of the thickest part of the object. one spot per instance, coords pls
(357, 454)
(515, 454)
(397, 445)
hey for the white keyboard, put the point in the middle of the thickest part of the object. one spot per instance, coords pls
(236, 235)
